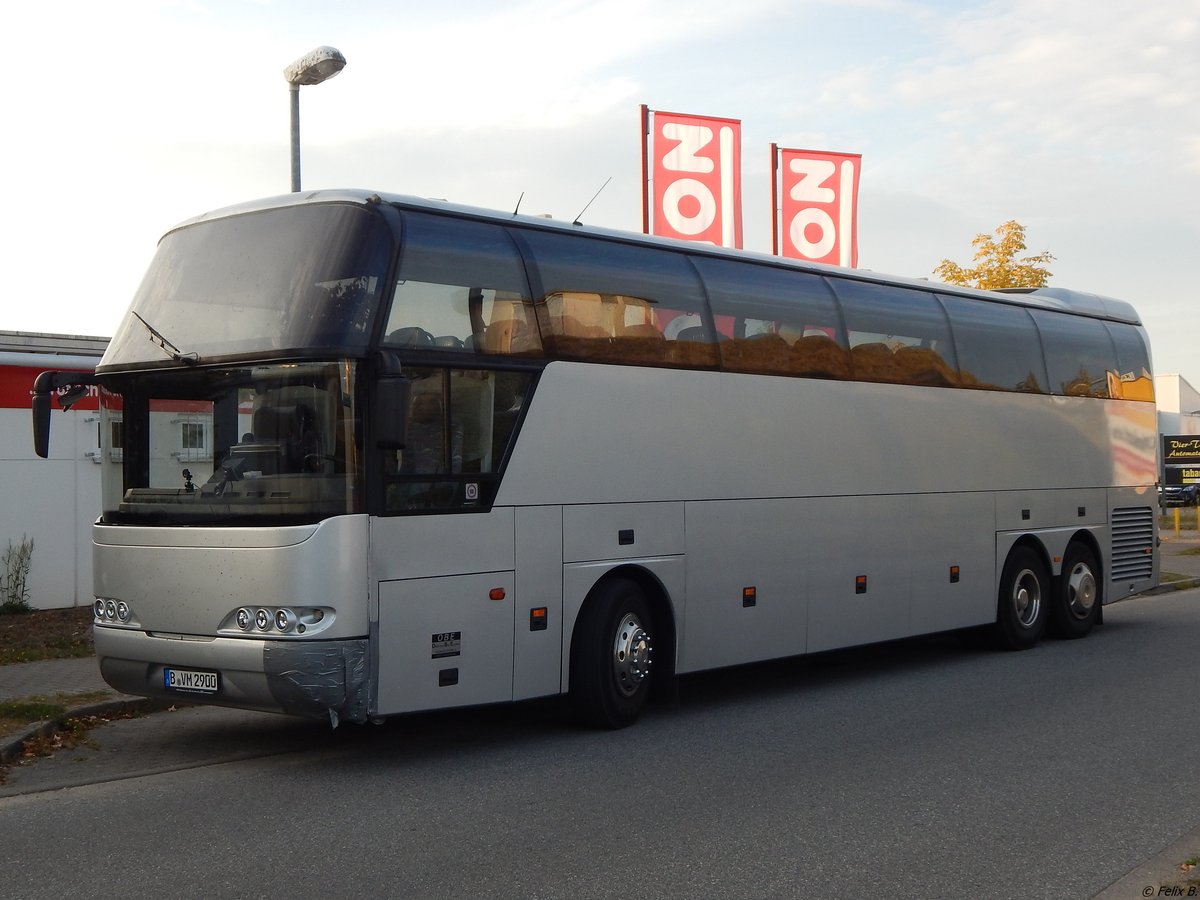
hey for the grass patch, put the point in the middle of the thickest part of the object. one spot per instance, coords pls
(45, 634)
(17, 715)
(1190, 551)
(1170, 577)
(1189, 876)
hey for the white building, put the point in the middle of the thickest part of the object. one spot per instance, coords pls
(53, 501)
(1178, 405)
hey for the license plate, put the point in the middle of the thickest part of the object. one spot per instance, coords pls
(188, 681)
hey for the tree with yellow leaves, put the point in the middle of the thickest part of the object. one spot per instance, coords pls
(996, 263)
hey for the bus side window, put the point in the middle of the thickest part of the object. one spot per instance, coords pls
(768, 313)
(999, 347)
(1079, 354)
(609, 327)
(1133, 381)
(614, 302)
(896, 334)
(461, 288)
(459, 427)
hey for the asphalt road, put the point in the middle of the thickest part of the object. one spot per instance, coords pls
(919, 769)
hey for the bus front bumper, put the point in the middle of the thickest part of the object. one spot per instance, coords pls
(313, 679)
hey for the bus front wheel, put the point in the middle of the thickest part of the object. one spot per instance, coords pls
(612, 653)
(1024, 596)
(1078, 594)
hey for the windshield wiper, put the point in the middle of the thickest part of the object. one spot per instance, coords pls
(174, 352)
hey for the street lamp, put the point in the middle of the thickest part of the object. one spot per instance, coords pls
(312, 68)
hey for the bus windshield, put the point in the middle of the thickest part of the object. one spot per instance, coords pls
(278, 443)
(305, 278)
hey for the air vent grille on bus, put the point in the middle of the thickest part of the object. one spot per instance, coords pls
(1132, 543)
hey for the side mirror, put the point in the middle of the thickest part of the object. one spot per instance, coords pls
(41, 423)
(44, 386)
(393, 398)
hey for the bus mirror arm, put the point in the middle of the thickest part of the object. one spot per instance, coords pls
(71, 387)
(393, 399)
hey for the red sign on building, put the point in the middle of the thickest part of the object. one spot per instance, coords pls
(16, 385)
(815, 200)
(692, 177)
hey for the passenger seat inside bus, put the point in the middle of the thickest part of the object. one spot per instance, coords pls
(758, 353)
(642, 344)
(293, 428)
(924, 365)
(875, 362)
(820, 356)
(691, 347)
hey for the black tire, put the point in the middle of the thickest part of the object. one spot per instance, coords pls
(1078, 593)
(1023, 600)
(612, 655)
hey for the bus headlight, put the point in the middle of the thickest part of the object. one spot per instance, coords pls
(281, 621)
(107, 611)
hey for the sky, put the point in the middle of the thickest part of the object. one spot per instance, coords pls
(1078, 119)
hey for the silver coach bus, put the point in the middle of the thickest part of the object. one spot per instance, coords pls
(366, 455)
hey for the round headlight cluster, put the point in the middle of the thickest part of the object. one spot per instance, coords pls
(112, 611)
(281, 620)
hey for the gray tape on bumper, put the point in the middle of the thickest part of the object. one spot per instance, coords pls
(319, 679)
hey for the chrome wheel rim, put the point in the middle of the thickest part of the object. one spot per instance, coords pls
(1027, 598)
(1081, 591)
(632, 653)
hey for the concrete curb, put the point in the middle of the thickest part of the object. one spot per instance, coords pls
(12, 747)
(1159, 876)
(1185, 585)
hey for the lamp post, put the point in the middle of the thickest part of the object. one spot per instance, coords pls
(312, 68)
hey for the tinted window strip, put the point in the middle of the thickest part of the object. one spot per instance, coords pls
(945, 368)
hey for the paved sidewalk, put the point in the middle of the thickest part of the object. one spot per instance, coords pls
(63, 681)
(52, 677)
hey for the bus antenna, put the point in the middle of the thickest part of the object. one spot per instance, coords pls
(590, 202)
(518, 206)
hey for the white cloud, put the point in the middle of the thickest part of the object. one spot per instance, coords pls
(1072, 76)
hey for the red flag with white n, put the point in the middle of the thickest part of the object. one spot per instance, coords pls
(818, 205)
(693, 184)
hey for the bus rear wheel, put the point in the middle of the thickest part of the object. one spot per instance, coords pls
(612, 653)
(1078, 594)
(1024, 596)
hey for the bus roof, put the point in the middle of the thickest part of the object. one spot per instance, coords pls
(1060, 299)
